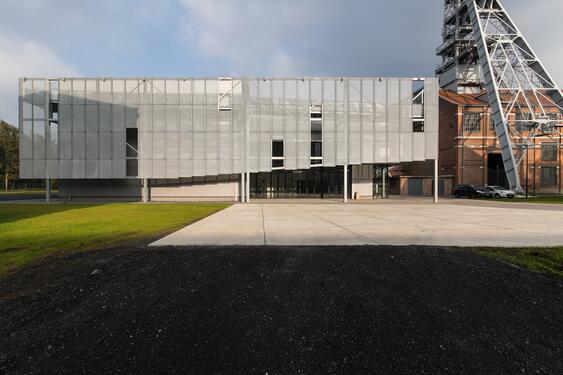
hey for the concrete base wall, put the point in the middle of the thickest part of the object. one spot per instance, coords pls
(100, 190)
(209, 191)
(362, 188)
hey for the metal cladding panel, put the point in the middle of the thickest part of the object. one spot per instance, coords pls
(253, 147)
(146, 118)
(132, 114)
(237, 166)
(118, 145)
(199, 145)
(265, 152)
(105, 169)
(52, 169)
(185, 118)
(303, 150)
(212, 167)
(199, 167)
(419, 147)
(172, 118)
(172, 168)
(431, 146)
(393, 105)
(118, 168)
(278, 108)
(145, 170)
(367, 141)
(146, 147)
(39, 139)
(78, 168)
(26, 168)
(92, 118)
(92, 169)
(26, 140)
(198, 92)
(329, 149)
(172, 91)
(92, 146)
(159, 168)
(225, 150)
(65, 145)
(65, 118)
(78, 118)
(105, 115)
(354, 99)
(355, 147)
(185, 168)
(393, 147)
(105, 145)
(39, 168)
(406, 147)
(65, 168)
(158, 119)
(198, 119)
(118, 117)
(380, 148)
(212, 146)
(406, 106)
(78, 145)
(172, 145)
(341, 124)
(186, 145)
(104, 88)
(211, 119)
(158, 145)
(431, 105)
(185, 90)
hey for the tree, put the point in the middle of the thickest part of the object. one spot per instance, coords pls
(9, 153)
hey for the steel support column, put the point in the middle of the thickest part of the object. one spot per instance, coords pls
(48, 190)
(436, 181)
(345, 184)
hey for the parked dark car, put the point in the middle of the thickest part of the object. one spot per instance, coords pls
(465, 191)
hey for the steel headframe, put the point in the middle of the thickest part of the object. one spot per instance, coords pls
(522, 95)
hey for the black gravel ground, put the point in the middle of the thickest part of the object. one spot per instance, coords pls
(277, 310)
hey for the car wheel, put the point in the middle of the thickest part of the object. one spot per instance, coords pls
(497, 195)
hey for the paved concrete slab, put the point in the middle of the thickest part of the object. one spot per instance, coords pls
(407, 223)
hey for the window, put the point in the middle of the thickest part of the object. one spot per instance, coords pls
(549, 176)
(316, 135)
(418, 126)
(549, 151)
(131, 152)
(471, 122)
(492, 124)
(277, 154)
(418, 105)
(54, 100)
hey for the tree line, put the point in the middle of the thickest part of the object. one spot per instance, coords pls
(9, 155)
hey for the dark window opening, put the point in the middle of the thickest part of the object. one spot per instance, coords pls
(277, 154)
(132, 143)
(53, 110)
(418, 126)
(549, 152)
(549, 176)
(132, 167)
(316, 149)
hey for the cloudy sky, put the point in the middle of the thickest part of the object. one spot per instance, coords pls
(238, 38)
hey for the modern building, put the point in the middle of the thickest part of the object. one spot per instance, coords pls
(224, 138)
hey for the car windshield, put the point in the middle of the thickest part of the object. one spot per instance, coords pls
(498, 187)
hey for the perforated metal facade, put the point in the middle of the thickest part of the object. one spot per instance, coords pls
(214, 126)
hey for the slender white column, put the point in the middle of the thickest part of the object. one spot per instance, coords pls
(248, 186)
(242, 188)
(383, 175)
(436, 180)
(145, 193)
(48, 190)
(345, 183)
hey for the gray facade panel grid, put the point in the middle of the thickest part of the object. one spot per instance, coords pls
(205, 126)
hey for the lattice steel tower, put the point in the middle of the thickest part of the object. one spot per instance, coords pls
(483, 49)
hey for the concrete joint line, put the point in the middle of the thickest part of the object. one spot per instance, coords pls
(338, 225)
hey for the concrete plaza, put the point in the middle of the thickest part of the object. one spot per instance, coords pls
(409, 222)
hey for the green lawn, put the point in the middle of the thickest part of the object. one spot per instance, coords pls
(24, 192)
(543, 260)
(29, 231)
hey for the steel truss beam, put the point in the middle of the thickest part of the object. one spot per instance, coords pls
(525, 100)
